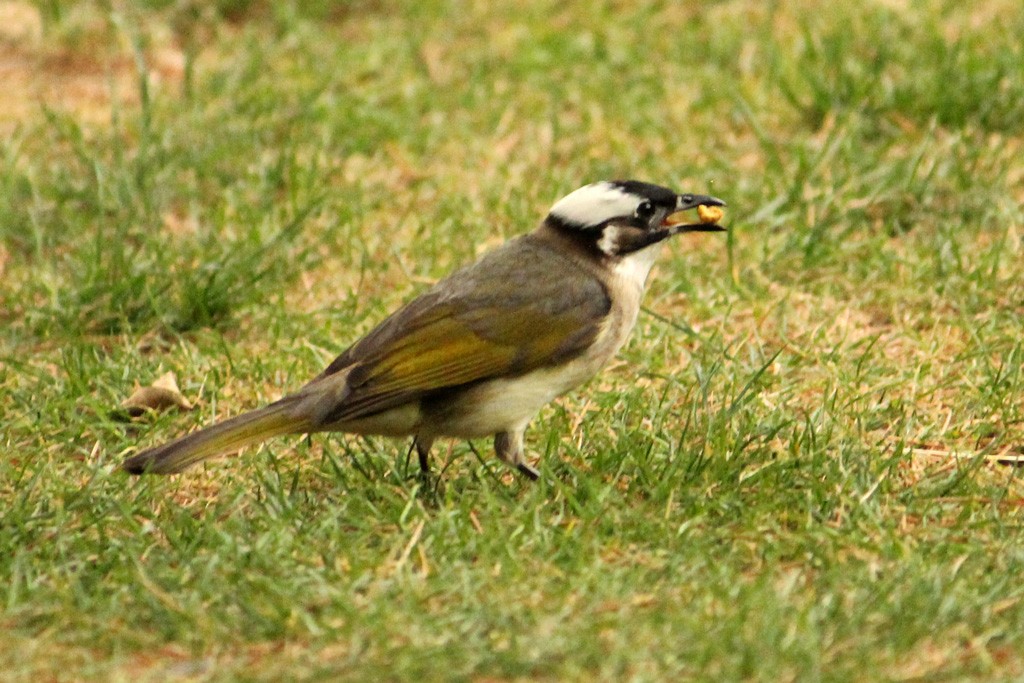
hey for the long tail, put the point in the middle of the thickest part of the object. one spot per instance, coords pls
(231, 435)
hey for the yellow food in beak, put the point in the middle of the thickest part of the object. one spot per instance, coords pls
(709, 214)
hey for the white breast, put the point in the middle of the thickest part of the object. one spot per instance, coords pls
(506, 404)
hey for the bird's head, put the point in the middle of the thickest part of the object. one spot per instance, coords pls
(618, 218)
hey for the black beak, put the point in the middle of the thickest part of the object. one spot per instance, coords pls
(685, 202)
(696, 227)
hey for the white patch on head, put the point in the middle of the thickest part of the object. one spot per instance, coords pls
(634, 267)
(594, 204)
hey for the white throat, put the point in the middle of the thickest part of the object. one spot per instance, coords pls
(634, 267)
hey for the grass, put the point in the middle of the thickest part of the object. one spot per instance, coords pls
(796, 470)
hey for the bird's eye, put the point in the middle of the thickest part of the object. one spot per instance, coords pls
(645, 210)
(687, 198)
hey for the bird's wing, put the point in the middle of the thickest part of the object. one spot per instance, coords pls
(522, 307)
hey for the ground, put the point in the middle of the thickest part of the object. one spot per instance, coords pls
(803, 465)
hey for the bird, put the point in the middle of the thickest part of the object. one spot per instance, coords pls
(483, 350)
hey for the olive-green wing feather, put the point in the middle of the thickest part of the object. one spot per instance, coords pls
(522, 307)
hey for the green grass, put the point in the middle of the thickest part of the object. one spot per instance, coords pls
(794, 471)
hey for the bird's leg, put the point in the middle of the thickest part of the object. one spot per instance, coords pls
(408, 454)
(423, 452)
(509, 447)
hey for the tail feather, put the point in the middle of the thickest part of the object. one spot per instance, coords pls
(231, 435)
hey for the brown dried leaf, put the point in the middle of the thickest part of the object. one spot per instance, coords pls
(159, 396)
